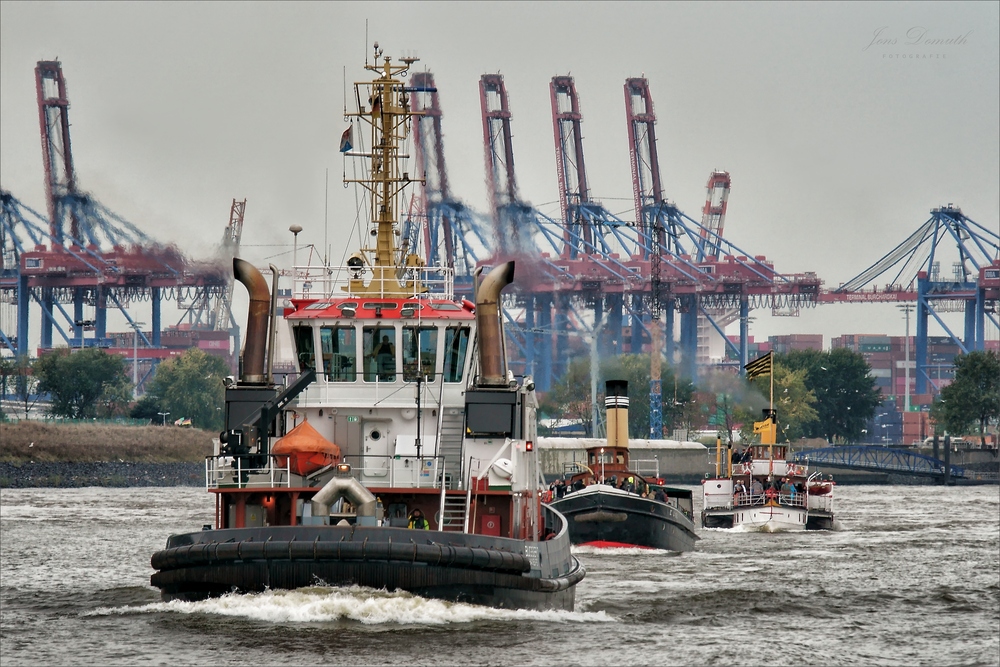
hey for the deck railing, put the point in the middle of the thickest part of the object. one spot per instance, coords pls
(423, 472)
(326, 282)
(236, 472)
(788, 500)
(255, 471)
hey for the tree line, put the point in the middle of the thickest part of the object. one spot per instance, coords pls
(829, 395)
(817, 394)
(90, 383)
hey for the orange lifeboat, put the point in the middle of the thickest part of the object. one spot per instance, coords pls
(304, 450)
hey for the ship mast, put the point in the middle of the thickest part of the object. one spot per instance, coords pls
(383, 103)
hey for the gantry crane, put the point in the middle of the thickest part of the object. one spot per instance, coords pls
(450, 233)
(913, 272)
(83, 254)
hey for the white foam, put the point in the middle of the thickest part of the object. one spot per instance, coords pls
(355, 603)
(619, 551)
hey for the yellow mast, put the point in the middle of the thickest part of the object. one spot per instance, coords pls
(768, 429)
(383, 103)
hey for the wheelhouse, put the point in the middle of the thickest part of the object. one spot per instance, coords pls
(383, 340)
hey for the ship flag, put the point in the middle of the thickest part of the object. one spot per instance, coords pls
(347, 139)
(759, 366)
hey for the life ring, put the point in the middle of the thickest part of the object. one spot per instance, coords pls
(748, 468)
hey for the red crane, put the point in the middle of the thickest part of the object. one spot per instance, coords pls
(94, 257)
(713, 217)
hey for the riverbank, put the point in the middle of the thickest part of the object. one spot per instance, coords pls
(26, 441)
(44, 454)
(49, 474)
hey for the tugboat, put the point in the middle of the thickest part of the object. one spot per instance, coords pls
(762, 491)
(433, 484)
(609, 505)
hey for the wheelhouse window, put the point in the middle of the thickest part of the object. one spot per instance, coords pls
(340, 353)
(305, 347)
(456, 343)
(380, 354)
(419, 352)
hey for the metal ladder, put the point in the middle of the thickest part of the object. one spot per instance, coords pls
(450, 442)
(454, 514)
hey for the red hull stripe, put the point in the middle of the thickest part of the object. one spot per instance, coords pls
(603, 544)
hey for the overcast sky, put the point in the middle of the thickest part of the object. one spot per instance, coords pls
(842, 125)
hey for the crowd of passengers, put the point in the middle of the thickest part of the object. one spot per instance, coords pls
(630, 483)
(786, 491)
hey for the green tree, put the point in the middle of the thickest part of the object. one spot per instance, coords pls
(190, 387)
(83, 383)
(19, 382)
(973, 399)
(793, 401)
(147, 407)
(735, 403)
(680, 405)
(846, 395)
(569, 398)
(634, 369)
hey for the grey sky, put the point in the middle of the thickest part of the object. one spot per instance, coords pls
(838, 148)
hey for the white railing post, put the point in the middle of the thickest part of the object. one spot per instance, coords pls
(441, 499)
(468, 505)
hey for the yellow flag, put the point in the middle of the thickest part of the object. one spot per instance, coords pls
(759, 366)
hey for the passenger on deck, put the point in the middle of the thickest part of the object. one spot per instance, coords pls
(385, 358)
(747, 456)
(756, 491)
(418, 521)
(787, 492)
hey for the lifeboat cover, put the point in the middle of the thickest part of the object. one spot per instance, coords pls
(304, 450)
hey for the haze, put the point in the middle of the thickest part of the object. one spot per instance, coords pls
(838, 140)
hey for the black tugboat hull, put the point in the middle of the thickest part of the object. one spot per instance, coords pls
(476, 569)
(606, 518)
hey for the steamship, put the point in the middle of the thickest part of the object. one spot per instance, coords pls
(402, 455)
(608, 504)
(765, 492)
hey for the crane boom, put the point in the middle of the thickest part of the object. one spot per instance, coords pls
(230, 248)
(714, 214)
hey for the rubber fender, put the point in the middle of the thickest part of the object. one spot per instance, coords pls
(228, 551)
(432, 554)
(276, 550)
(301, 550)
(251, 550)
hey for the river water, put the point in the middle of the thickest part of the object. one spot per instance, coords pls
(911, 577)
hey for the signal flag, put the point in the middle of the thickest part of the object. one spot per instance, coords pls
(759, 366)
(346, 139)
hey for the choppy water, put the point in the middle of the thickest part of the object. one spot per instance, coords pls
(912, 577)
